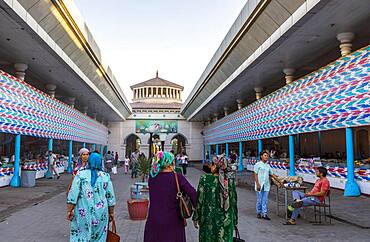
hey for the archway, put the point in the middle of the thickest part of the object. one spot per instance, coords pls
(133, 142)
(178, 143)
(363, 144)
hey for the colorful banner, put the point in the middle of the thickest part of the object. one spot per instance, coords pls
(26, 110)
(156, 126)
(335, 96)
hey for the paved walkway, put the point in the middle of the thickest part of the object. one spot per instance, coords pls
(43, 217)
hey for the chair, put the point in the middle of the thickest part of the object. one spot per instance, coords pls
(323, 210)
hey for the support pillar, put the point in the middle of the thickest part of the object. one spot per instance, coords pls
(101, 150)
(70, 160)
(20, 70)
(51, 89)
(289, 78)
(345, 42)
(204, 154)
(84, 145)
(16, 179)
(351, 189)
(227, 150)
(291, 156)
(93, 147)
(259, 149)
(241, 165)
(240, 103)
(216, 149)
(209, 152)
(258, 91)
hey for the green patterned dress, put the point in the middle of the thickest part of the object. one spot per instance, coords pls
(215, 225)
(90, 222)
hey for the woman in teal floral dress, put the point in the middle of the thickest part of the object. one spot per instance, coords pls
(90, 203)
(216, 213)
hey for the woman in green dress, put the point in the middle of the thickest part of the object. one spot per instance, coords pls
(216, 213)
(90, 203)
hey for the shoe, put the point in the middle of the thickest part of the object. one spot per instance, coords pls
(290, 222)
(58, 177)
(265, 217)
(297, 204)
(259, 216)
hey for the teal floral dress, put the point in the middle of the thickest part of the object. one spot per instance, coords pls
(90, 222)
(215, 225)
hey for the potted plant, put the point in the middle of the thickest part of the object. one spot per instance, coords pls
(138, 205)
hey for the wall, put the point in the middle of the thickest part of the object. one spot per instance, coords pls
(119, 131)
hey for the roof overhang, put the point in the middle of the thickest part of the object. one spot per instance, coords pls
(305, 40)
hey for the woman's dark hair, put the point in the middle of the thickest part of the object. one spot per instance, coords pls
(323, 171)
(263, 152)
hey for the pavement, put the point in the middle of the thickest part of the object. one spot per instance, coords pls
(38, 215)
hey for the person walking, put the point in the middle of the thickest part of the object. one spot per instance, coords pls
(216, 213)
(90, 202)
(184, 163)
(53, 164)
(116, 159)
(164, 223)
(126, 164)
(262, 174)
(108, 158)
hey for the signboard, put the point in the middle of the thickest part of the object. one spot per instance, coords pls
(156, 126)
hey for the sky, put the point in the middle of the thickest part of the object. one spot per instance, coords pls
(177, 38)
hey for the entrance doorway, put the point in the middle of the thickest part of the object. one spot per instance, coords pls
(133, 142)
(178, 143)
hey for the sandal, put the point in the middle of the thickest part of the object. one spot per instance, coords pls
(289, 222)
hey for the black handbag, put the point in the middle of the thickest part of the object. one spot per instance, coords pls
(186, 207)
(237, 238)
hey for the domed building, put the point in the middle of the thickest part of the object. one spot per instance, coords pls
(156, 121)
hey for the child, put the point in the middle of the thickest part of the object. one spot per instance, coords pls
(126, 164)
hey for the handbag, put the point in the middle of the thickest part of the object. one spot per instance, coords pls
(186, 207)
(112, 234)
(237, 238)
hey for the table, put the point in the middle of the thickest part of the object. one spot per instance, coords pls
(286, 189)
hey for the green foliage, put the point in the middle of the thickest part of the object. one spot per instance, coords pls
(143, 167)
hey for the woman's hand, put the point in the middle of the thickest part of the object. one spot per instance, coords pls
(195, 223)
(70, 215)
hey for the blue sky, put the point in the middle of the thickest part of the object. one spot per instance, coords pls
(177, 38)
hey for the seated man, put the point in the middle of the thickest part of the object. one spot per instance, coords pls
(315, 196)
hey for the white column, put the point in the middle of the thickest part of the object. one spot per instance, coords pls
(240, 103)
(51, 89)
(289, 77)
(258, 91)
(71, 101)
(226, 111)
(345, 42)
(85, 108)
(20, 70)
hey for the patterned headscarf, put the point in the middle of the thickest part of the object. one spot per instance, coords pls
(160, 161)
(95, 165)
(222, 164)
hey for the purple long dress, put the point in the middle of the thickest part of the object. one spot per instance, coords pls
(164, 223)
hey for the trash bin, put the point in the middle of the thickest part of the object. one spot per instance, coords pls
(28, 178)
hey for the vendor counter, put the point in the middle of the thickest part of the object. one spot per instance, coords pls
(6, 172)
(337, 172)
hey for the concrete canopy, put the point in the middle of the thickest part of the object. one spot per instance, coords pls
(39, 34)
(304, 38)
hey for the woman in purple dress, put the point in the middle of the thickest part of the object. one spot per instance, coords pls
(164, 223)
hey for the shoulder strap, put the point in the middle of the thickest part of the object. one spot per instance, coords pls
(177, 182)
(114, 226)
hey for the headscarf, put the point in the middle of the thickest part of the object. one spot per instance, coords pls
(221, 163)
(79, 161)
(83, 150)
(160, 161)
(95, 165)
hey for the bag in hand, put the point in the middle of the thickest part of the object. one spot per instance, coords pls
(112, 234)
(237, 238)
(186, 207)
